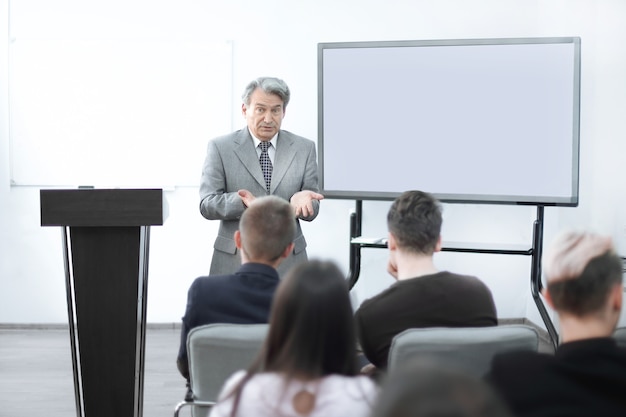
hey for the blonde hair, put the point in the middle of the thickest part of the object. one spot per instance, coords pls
(581, 268)
(571, 252)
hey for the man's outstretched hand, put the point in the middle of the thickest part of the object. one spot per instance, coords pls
(302, 202)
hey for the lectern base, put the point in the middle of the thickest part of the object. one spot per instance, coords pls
(106, 279)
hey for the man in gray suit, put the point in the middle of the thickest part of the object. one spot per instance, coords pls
(255, 161)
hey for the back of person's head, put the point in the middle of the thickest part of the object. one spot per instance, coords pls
(269, 85)
(425, 389)
(415, 219)
(311, 330)
(267, 227)
(581, 269)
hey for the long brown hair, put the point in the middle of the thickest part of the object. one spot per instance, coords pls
(311, 332)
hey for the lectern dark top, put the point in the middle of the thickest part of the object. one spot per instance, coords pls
(106, 236)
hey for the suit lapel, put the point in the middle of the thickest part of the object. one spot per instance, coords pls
(285, 153)
(244, 149)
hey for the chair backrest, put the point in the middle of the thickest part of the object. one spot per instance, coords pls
(216, 351)
(620, 336)
(468, 348)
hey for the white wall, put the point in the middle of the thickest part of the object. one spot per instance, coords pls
(279, 37)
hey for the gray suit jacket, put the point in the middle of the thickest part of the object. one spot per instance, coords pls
(232, 164)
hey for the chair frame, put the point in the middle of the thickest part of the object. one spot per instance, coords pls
(197, 403)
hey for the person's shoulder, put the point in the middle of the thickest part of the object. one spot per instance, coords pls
(198, 282)
(373, 301)
(227, 139)
(210, 279)
(381, 300)
(206, 283)
(467, 280)
(461, 277)
(296, 138)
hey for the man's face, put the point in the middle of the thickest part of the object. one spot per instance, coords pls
(264, 115)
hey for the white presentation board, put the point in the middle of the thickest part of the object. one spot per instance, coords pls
(482, 120)
(119, 113)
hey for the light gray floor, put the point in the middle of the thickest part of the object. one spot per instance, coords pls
(36, 373)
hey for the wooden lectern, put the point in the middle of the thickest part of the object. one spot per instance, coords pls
(106, 236)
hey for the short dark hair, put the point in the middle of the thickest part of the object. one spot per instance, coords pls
(270, 85)
(415, 219)
(267, 227)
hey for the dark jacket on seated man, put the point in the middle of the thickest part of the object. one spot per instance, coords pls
(242, 298)
(583, 378)
(423, 296)
(586, 376)
(265, 238)
(442, 299)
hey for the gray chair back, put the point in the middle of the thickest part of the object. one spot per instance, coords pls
(468, 348)
(215, 352)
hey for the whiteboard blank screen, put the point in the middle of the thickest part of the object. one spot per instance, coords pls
(118, 113)
(487, 120)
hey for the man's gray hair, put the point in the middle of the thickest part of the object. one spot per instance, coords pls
(270, 85)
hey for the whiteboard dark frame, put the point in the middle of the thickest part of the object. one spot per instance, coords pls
(502, 198)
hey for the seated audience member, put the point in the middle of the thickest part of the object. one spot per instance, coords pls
(426, 389)
(307, 366)
(265, 238)
(422, 295)
(586, 376)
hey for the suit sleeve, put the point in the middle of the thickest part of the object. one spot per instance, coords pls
(215, 202)
(310, 181)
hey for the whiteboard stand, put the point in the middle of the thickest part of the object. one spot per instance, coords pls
(357, 243)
